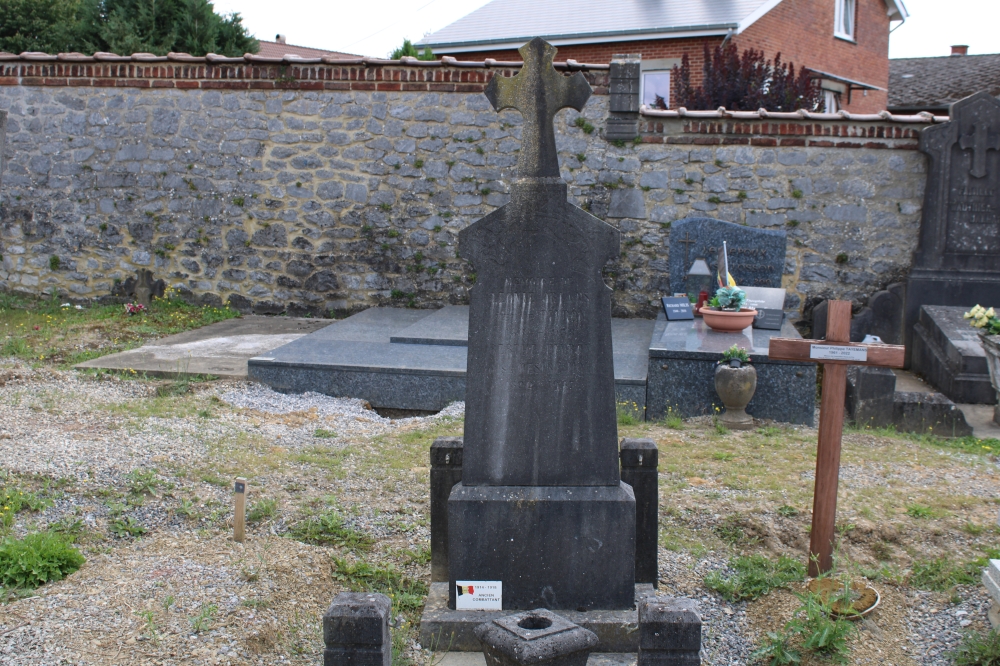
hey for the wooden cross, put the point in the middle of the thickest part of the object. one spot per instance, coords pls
(538, 92)
(835, 353)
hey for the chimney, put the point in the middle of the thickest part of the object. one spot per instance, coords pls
(961, 49)
(281, 40)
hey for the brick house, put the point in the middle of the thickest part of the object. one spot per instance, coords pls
(280, 48)
(845, 43)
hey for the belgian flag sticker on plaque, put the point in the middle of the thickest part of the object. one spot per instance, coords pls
(478, 595)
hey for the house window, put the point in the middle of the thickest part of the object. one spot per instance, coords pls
(656, 89)
(831, 101)
(843, 19)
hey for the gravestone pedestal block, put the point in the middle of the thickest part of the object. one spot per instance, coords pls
(669, 632)
(538, 637)
(356, 630)
(563, 547)
(640, 459)
(991, 579)
(446, 471)
(947, 352)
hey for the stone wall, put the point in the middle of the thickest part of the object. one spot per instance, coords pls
(312, 200)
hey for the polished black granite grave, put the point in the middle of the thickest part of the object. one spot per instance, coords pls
(399, 358)
(946, 351)
(682, 360)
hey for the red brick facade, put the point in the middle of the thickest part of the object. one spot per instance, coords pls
(801, 30)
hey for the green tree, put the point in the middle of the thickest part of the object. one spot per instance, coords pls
(38, 25)
(408, 49)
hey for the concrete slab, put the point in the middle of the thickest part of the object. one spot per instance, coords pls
(981, 418)
(477, 659)
(416, 359)
(220, 349)
(907, 381)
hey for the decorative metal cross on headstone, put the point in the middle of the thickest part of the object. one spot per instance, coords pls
(979, 140)
(835, 353)
(687, 248)
(538, 92)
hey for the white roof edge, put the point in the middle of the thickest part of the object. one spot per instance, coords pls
(751, 18)
(897, 10)
(555, 41)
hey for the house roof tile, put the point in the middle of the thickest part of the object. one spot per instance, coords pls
(278, 50)
(932, 84)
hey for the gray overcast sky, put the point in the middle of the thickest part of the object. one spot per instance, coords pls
(375, 27)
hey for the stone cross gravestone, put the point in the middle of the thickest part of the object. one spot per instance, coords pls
(756, 256)
(541, 507)
(957, 261)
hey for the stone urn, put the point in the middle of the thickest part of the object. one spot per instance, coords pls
(727, 321)
(735, 383)
(991, 345)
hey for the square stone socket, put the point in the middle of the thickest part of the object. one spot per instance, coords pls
(510, 623)
(357, 619)
(639, 453)
(563, 643)
(669, 623)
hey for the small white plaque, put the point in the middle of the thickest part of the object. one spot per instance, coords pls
(478, 595)
(838, 353)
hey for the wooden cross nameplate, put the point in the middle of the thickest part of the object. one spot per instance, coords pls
(835, 353)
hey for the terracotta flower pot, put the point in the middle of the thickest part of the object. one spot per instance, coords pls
(991, 345)
(736, 387)
(728, 322)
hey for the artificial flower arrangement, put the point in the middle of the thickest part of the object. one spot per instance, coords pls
(730, 299)
(983, 319)
(135, 308)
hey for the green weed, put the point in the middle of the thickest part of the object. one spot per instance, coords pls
(329, 529)
(265, 508)
(787, 511)
(323, 433)
(126, 526)
(628, 413)
(755, 576)
(203, 620)
(406, 593)
(143, 482)
(36, 559)
(978, 649)
(919, 511)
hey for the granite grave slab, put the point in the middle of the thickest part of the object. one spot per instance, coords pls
(756, 256)
(957, 261)
(416, 359)
(947, 352)
(682, 359)
(541, 506)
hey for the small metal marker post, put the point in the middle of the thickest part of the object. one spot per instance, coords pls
(240, 514)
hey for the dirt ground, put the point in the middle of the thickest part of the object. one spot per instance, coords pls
(180, 591)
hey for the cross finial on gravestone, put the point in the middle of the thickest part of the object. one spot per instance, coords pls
(688, 242)
(979, 140)
(538, 92)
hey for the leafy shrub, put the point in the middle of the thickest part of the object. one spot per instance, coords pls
(978, 649)
(744, 82)
(37, 559)
(755, 576)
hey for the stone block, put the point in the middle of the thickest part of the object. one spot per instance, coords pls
(669, 632)
(932, 413)
(639, 459)
(947, 352)
(870, 393)
(537, 637)
(356, 630)
(571, 547)
(446, 471)
(627, 202)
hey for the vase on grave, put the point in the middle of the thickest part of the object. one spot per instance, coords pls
(726, 321)
(736, 383)
(991, 345)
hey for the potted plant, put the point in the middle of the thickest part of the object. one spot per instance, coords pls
(735, 382)
(989, 337)
(725, 312)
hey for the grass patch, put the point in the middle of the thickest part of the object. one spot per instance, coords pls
(13, 500)
(407, 594)
(126, 526)
(978, 649)
(37, 559)
(812, 629)
(41, 331)
(942, 574)
(628, 413)
(919, 511)
(329, 529)
(323, 433)
(262, 510)
(755, 576)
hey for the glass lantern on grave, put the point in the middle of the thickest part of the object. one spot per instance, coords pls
(699, 281)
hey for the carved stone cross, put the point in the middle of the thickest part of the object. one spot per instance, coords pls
(979, 140)
(538, 92)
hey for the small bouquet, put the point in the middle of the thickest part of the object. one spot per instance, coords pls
(735, 357)
(135, 308)
(983, 319)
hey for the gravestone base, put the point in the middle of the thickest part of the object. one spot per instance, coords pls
(555, 547)
(444, 629)
(947, 352)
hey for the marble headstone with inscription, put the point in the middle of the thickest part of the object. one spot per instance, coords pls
(541, 506)
(957, 261)
(756, 256)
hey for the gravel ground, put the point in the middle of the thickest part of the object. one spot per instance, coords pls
(138, 600)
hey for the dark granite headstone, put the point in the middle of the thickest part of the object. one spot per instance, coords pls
(541, 506)
(756, 256)
(957, 261)
(947, 352)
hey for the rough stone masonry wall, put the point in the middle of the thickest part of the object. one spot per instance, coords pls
(319, 200)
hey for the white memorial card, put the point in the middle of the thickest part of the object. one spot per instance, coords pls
(838, 353)
(478, 595)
